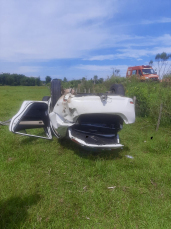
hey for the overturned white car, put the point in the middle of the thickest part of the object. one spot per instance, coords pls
(91, 120)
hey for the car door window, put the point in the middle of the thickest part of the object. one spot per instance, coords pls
(134, 72)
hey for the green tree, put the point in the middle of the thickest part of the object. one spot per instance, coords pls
(38, 82)
(17, 79)
(2, 79)
(83, 79)
(65, 79)
(48, 79)
(95, 78)
(25, 81)
(9, 80)
(101, 80)
(151, 63)
(163, 64)
(32, 81)
(117, 71)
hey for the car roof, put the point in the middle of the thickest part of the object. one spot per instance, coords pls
(139, 67)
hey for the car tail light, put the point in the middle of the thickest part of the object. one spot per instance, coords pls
(131, 102)
(73, 139)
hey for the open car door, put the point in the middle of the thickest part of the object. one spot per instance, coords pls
(32, 117)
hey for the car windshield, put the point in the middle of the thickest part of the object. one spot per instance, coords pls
(148, 71)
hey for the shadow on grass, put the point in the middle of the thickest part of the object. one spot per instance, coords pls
(13, 211)
(29, 140)
(85, 152)
(92, 154)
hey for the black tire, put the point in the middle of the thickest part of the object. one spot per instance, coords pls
(45, 98)
(118, 89)
(55, 91)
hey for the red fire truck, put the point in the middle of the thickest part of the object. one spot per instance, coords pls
(143, 72)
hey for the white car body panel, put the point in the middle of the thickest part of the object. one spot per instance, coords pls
(17, 120)
(70, 107)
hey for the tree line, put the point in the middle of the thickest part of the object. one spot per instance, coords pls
(163, 64)
(83, 81)
(19, 79)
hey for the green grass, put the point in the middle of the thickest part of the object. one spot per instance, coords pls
(56, 184)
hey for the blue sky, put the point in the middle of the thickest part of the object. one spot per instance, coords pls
(75, 39)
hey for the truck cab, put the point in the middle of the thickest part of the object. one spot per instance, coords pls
(143, 72)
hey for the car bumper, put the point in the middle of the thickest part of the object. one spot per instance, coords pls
(101, 146)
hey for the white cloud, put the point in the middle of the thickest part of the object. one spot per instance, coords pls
(165, 40)
(155, 45)
(161, 20)
(41, 30)
(52, 29)
(103, 71)
(132, 53)
(137, 53)
(28, 69)
(23, 69)
(101, 57)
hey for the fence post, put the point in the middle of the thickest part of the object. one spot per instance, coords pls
(159, 118)
(134, 100)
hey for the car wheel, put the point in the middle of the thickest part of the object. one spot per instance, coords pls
(45, 98)
(55, 91)
(118, 89)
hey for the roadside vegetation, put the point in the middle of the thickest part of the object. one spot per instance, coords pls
(57, 184)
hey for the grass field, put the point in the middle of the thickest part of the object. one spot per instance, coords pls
(56, 184)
